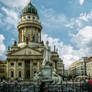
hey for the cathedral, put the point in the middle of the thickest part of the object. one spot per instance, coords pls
(25, 57)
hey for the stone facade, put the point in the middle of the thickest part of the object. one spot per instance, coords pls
(60, 67)
(25, 57)
(89, 67)
(78, 67)
(2, 70)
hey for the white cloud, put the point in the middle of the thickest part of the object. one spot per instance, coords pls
(15, 3)
(86, 16)
(81, 2)
(84, 37)
(79, 22)
(66, 52)
(83, 40)
(2, 46)
(52, 20)
(11, 17)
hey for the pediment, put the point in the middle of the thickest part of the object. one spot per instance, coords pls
(26, 51)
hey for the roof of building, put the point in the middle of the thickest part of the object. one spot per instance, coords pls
(30, 9)
(89, 59)
(1, 61)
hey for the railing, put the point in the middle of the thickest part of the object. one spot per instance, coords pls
(26, 87)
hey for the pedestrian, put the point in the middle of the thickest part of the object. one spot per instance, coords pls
(5, 86)
(43, 87)
(86, 80)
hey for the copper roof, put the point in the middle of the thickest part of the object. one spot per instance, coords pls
(89, 59)
(1, 61)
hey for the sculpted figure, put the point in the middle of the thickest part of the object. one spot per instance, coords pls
(47, 55)
(36, 78)
(57, 79)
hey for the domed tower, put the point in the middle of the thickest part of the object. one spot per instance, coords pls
(29, 27)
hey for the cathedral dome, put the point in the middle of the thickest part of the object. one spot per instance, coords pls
(30, 9)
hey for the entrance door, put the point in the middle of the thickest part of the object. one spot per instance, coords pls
(27, 69)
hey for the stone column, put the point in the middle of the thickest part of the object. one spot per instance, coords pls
(23, 72)
(40, 36)
(20, 35)
(15, 69)
(31, 69)
(7, 69)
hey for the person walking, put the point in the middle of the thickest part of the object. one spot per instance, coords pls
(43, 87)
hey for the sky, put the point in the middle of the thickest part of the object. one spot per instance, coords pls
(66, 24)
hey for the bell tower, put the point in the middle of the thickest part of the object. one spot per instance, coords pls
(29, 27)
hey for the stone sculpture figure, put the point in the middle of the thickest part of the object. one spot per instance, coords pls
(47, 55)
(37, 77)
(57, 79)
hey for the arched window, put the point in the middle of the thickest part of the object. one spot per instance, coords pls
(33, 18)
(29, 17)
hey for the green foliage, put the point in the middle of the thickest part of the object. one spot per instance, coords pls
(5, 62)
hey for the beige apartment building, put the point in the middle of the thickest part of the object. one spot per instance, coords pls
(89, 67)
(78, 67)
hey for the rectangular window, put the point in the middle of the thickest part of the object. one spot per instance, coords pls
(19, 74)
(35, 64)
(12, 74)
(12, 64)
(19, 64)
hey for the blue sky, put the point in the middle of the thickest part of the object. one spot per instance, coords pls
(66, 24)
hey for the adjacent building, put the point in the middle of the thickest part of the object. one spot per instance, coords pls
(78, 67)
(2, 70)
(60, 67)
(89, 67)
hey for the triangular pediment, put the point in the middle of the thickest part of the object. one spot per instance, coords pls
(26, 51)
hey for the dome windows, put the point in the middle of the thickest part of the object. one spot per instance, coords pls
(33, 18)
(29, 17)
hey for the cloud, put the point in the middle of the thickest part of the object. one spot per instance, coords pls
(52, 20)
(80, 22)
(15, 3)
(11, 17)
(83, 40)
(66, 52)
(81, 2)
(84, 37)
(2, 46)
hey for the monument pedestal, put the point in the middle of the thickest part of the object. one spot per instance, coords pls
(46, 74)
